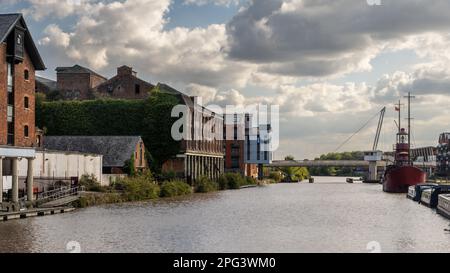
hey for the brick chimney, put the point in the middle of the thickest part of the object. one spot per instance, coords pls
(125, 71)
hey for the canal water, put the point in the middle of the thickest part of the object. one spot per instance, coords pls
(327, 216)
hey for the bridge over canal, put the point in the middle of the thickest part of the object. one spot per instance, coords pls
(338, 163)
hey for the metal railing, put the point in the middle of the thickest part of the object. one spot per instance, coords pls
(59, 193)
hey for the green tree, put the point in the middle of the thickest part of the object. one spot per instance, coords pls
(294, 173)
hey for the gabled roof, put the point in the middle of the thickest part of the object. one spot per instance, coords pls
(76, 69)
(7, 25)
(116, 150)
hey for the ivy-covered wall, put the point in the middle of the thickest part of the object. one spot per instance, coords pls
(148, 118)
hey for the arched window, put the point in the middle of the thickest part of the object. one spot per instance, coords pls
(25, 131)
(26, 75)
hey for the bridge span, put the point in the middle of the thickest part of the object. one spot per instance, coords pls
(337, 163)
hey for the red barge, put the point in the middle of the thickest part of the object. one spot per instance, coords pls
(402, 174)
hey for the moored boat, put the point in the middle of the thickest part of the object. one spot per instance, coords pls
(426, 197)
(430, 196)
(443, 207)
(415, 192)
(402, 174)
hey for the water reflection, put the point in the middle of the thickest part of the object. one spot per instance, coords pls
(327, 216)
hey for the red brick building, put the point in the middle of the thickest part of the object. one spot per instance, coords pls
(125, 85)
(19, 59)
(198, 156)
(77, 82)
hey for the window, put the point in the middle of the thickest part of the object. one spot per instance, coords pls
(10, 134)
(137, 89)
(26, 75)
(10, 106)
(26, 102)
(25, 131)
(19, 39)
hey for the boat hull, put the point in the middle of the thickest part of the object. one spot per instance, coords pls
(399, 179)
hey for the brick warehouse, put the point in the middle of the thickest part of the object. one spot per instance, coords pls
(77, 82)
(196, 158)
(125, 85)
(19, 59)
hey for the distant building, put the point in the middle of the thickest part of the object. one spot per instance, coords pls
(77, 82)
(443, 155)
(234, 135)
(19, 59)
(196, 157)
(258, 144)
(44, 85)
(117, 151)
(125, 85)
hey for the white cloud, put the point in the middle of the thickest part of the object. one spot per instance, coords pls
(41, 9)
(292, 47)
(215, 2)
(326, 38)
(132, 32)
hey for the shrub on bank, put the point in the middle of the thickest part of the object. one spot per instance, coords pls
(204, 185)
(234, 181)
(93, 199)
(90, 183)
(275, 176)
(250, 181)
(139, 188)
(175, 188)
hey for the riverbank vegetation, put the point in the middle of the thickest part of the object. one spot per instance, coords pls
(287, 174)
(143, 187)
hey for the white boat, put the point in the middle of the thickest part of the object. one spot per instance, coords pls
(426, 197)
(411, 192)
(443, 207)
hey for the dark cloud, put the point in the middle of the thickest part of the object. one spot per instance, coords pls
(327, 37)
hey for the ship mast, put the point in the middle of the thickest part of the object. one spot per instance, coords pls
(399, 125)
(409, 126)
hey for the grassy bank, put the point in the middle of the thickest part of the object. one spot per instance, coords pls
(144, 187)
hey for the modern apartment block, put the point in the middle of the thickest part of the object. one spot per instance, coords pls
(235, 135)
(19, 59)
(258, 143)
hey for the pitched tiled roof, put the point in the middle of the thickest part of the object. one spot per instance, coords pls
(7, 24)
(77, 69)
(116, 150)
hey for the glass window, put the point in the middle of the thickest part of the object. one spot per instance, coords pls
(10, 113)
(25, 131)
(10, 139)
(10, 75)
(26, 75)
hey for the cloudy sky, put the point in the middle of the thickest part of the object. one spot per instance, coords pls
(329, 64)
